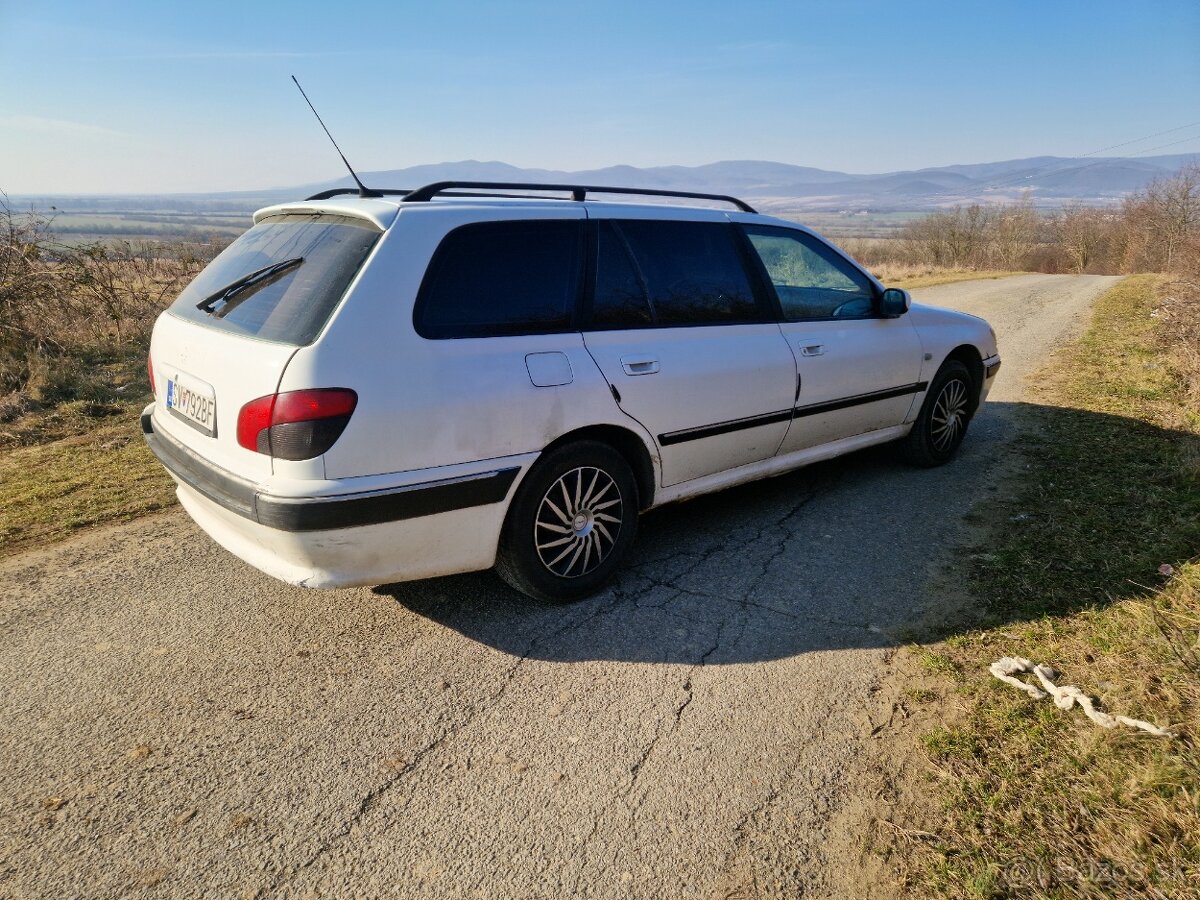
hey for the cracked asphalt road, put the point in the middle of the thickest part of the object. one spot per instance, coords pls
(177, 725)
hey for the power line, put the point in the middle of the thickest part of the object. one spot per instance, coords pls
(1025, 175)
(1101, 162)
(1016, 179)
(1146, 138)
(1194, 137)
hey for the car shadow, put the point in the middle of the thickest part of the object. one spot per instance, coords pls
(854, 553)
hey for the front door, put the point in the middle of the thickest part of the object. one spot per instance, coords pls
(858, 371)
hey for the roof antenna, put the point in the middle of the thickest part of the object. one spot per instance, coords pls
(363, 190)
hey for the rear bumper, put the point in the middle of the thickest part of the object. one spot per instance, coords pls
(422, 528)
(324, 513)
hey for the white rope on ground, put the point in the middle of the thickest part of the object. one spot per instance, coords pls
(1065, 696)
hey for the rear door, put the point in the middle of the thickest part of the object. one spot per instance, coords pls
(688, 348)
(857, 371)
(231, 333)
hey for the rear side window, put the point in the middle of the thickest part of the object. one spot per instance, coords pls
(497, 278)
(282, 279)
(670, 273)
(620, 299)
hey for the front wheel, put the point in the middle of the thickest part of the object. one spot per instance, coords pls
(942, 424)
(571, 524)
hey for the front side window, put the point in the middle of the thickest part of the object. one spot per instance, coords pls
(282, 279)
(662, 273)
(497, 278)
(812, 280)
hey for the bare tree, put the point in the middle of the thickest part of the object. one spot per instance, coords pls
(954, 238)
(1174, 212)
(1015, 233)
(57, 300)
(1082, 234)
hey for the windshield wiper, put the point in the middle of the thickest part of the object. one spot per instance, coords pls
(256, 280)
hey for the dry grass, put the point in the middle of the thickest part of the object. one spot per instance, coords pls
(74, 325)
(1039, 802)
(912, 275)
(71, 451)
(50, 491)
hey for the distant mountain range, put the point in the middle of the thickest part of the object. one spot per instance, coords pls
(1050, 180)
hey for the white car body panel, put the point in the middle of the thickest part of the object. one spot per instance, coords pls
(463, 540)
(778, 465)
(943, 330)
(674, 379)
(841, 360)
(239, 370)
(426, 403)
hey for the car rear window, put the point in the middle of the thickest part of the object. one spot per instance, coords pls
(320, 254)
(502, 278)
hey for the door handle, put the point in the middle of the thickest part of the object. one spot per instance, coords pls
(812, 349)
(639, 365)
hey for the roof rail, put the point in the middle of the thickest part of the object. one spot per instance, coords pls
(578, 192)
(337, 192)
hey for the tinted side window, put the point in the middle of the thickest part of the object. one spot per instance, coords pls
(518, 277)
(812, 280)
(691, 272)
(620, 299)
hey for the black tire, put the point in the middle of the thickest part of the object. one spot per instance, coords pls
(588, 488)
(939, 430)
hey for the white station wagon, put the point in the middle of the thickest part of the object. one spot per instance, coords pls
(399, 385)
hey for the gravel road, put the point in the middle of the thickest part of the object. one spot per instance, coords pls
(177, 725)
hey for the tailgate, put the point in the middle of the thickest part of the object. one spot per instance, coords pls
(208, 375)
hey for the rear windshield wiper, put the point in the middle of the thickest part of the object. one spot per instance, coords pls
(246, 286)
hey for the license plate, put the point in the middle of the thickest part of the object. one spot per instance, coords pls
(194, 402)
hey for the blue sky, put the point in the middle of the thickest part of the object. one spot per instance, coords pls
(159, 96)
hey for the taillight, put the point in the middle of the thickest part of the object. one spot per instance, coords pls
(150, 371)
(296, 424)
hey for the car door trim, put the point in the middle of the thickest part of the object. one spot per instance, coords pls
(704, 431)
(814, 409)
(783, 415)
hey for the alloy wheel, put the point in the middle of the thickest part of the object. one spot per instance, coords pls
(578, 522)
(949, 417)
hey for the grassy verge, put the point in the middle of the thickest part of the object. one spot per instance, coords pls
(1039, 802)
(76, 457)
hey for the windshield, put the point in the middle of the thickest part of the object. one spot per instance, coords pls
(296, 269)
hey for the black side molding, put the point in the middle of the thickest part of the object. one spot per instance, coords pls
(704, 431)
(859, 399)
(991, 369)
(429, 499)
(693, 434)
(325, 513)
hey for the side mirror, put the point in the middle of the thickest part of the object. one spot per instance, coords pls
(894, 302)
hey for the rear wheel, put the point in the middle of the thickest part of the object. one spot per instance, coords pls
(942, 424)
(571, 524)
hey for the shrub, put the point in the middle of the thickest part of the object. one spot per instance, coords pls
(60, 304)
